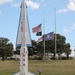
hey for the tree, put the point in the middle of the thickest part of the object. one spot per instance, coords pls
(32, 50)
(6, 48)
(67, 50)
(9, 49)
(60, 45)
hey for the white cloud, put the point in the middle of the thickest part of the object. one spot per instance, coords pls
(66, 31)
(71, 5)
(62, 10)
(29, 3)
(69, 30)
(33, 5)
(4, 1)
(73, 27)
(16, 4)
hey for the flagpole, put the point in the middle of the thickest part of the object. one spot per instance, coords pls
(44, 33)
(55, 35)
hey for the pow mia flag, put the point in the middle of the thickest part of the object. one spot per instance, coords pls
(39, 33)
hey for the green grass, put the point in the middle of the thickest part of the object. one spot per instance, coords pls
(8, 67)
(52, 67)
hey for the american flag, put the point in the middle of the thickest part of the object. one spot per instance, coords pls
(37, 28)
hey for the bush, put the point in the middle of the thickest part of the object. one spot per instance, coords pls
(35, 57)
(40, 58)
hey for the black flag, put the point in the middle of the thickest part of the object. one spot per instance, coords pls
(39, 33)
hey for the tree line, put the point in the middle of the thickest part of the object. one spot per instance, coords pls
(6, 47)
(61, 47)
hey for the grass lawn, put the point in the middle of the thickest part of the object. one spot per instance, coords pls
(51, 67)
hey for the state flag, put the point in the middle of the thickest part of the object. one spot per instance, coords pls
(49, 36)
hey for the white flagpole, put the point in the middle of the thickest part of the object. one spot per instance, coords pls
(44, 33)
(55, 35)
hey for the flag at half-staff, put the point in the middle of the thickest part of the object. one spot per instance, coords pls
(46, 37)
(37, 28)
(40, 39)
(39, 33)
(49, 36)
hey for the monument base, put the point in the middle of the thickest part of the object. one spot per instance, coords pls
(18, 73)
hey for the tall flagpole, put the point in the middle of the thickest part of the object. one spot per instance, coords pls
(55, 35)
(44, 33)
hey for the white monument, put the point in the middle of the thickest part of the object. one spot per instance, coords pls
(23, 40)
